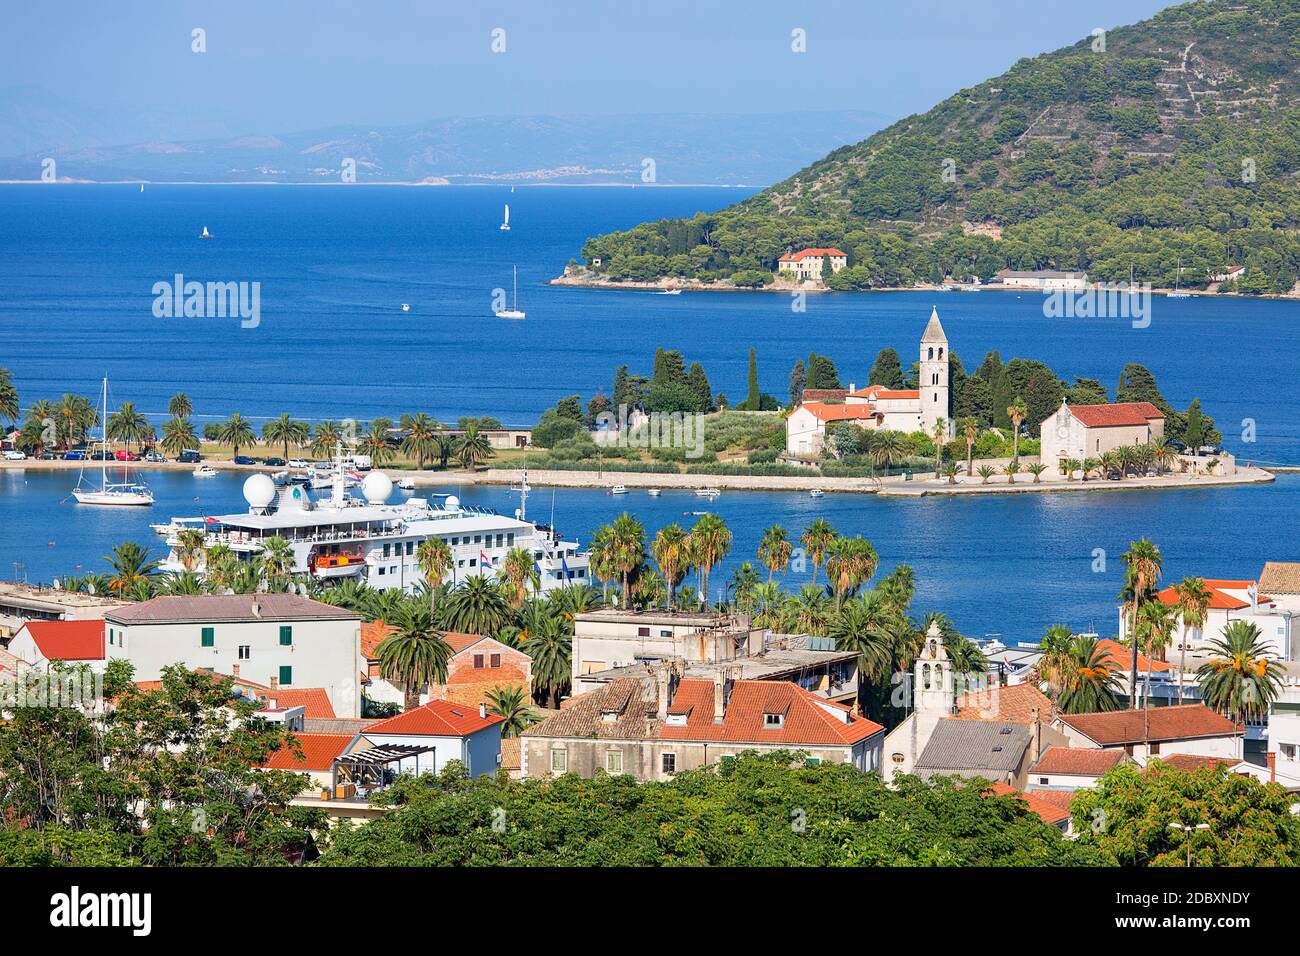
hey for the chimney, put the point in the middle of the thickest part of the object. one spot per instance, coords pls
(1272, 766)
(275, 682)
(661, 686)
(256, 609)
(719, 703)
(482, 710)
(1038, 735)
(234, 670)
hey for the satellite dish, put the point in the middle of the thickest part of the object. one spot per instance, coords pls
(259, 490)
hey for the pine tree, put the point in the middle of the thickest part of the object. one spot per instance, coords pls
(887, 370)
(798, 378)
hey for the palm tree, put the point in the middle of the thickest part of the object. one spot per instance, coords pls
(1071, 466)
(178, 434)
(376, 443)
(1055, 662)
(512, 704)
(551, 648)
(443, 448)
(744, 580)
(939, 433)
(816, 539)
(627, 550)
(710, 542)
(889, 448)
(569, 602)
(236, 431)
(421, 438)
(517, 567)
(180, 406)
(8, 397)
(277, 557)
(473, 448)
(1010, 469)
(850, 562)
(857, 626)
(767, 598)
(672, 551)
(1144, 563)
(1193, 603)
(971, 427)
(774, 550)
(809, 610)
(75, 416)
(1016, 411)
(185, 583)
(287, 431)
(131, 564)
(1089, 683)
(128, 425)
(414, 654)
(1242, 679)
(986, 472)
(190, 546)
(435, 560)
(1088, 466)
(477, 606)
(1036, 469)
(951, 471)
(600, 558)
(325, 437)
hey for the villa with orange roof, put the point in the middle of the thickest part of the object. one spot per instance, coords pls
(808, 263)
(477, 665)
(1237, 599)
(74, 641)
(878, 408)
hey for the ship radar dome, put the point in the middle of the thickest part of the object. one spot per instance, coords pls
(377, 487)
(452, 503)
(259, 490)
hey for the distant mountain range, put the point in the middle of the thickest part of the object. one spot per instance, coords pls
(685, 148)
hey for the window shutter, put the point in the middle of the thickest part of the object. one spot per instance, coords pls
(208, 638)
(286, 675)
(286, 635)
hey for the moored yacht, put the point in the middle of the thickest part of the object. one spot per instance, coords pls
(111, 493)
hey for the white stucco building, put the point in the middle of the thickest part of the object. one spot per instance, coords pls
(1089, 431)
(1046, 280)
(280, 640)
(807, 263)
(457, 732)
(1230, 600)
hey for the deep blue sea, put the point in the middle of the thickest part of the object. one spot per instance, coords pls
(78, 263)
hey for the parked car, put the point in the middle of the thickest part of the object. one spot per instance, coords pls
(1208, 450)
(102, 455)
(15, 456)
(154, 457)
(244, 460)
(124, 455)
(299, 463)
(49, 455)
(74, 456)
(189, 456)
(273, 462)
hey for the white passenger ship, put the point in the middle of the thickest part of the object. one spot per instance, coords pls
(375, 542)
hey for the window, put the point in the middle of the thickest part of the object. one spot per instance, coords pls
(494, 660)
(811, 761)
(669, 763)
(559, 761)
(286, 635)
(1287, 750)
(1043, 781)
(773, 720)
(208, 637)
(643, 632)
(478, 662)
(614, 761)
(286, 676)
(245, 652)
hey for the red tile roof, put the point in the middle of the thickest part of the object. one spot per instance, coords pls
(314, 699)
(1152, 723)
(1123, 413)
(1078, 761)
(319, 751)
(1218, 599)
(806, 253)
(1195, 761)
(437, 718)
(1014, 704)
(807, 720)
(1047, 810)
(879, 391)
(373, 634)
(840, 413)
(1120, 658)
(1057, 798)
(68, 640)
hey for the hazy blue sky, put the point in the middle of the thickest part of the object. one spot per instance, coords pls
(294, 64)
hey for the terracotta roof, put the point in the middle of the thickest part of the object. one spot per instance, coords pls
(510, 757)
(1120, 658)
(437, 718)
(188, 608)
(1057, 798)
(1122, 413)
(840, 413)
(1219, 600)
(1014, 704)
(1151, 723)
(879, 391)
(319, 751)
(1195, 761)
(1079, 761)
(1047, 810)
(67, 640)
(1282, 577)
(314, 699)
(373, 634)
(807, 253)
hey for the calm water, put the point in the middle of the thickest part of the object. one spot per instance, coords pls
(77, 265)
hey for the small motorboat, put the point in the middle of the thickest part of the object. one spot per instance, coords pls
(654, 492)
(205, 234)
(707, 492)
(205, 471)
(618, 490)
(406, 307)
(816, 493)
(406, 484)
(669, 292)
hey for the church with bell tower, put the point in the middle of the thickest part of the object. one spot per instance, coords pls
(933, 379)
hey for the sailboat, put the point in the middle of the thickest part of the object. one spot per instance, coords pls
(1178, 293)
(513, 313)
(205, 234)
(110, 493)
(505, 225)
(142, 187)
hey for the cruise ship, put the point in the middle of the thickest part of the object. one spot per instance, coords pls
(368, 539)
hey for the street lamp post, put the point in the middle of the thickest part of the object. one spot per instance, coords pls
(1186, 830)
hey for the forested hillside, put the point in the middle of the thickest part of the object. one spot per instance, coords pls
(1171, 141)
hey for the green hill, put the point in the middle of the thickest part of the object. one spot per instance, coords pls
(1175, 139)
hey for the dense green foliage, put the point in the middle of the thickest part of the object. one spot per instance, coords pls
(757, 811)
(1100, 159)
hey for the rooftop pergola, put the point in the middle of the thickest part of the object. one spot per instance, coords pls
(369, 768)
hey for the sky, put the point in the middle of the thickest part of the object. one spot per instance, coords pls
(291, 64)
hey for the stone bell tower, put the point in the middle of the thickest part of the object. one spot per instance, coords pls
(933, 379)
(935, 692)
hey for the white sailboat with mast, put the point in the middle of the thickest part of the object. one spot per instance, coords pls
(513, 312)
(108, 492)
(505, 223)
(1178, 292)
